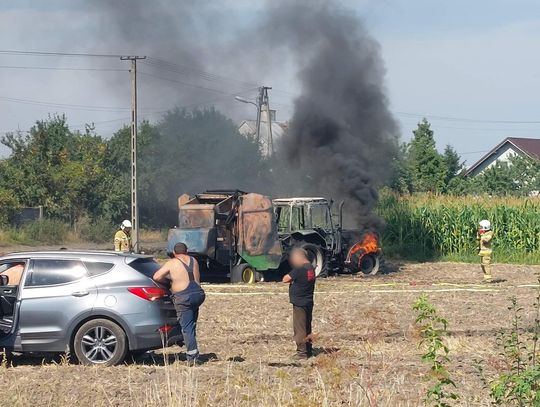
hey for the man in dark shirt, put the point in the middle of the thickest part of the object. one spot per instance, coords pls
(301, 288)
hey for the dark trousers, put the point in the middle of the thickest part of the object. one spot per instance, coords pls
(302, 328)
(187, 303)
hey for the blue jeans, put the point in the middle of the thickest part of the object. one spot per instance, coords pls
(187, 303)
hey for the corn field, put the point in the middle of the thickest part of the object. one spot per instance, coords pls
(430, 226)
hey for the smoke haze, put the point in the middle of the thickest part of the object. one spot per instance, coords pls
(342, 137)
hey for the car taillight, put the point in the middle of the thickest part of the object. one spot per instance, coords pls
(165, 328)
(149, 293)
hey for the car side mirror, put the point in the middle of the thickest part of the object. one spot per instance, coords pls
(4, 280)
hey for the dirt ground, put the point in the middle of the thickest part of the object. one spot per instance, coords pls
(366, 341)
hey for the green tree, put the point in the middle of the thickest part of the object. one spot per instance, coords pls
(453, 163)
(525, 174)
(117, 166)
(187, 152)
(56, 168)
(497, 180)
(464, 185)
(400, 180)
(427, 167)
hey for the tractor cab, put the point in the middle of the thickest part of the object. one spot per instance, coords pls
(309, 222)
(312, 224)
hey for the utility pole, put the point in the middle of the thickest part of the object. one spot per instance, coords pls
(269, 118)
(262, 101)
(259, 107)
(134, 201)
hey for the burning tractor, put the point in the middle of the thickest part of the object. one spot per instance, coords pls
(311, 224)
(247, 236)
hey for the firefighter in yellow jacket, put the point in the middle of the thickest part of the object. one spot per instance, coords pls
(485, 238)
(122, 238)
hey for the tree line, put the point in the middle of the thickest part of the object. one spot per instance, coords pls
(419, 168)
(76, 175)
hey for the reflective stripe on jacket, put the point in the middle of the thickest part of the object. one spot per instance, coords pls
(485, 243)
(122, 242)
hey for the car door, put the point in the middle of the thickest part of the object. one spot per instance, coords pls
(9, 292)
(56, 292)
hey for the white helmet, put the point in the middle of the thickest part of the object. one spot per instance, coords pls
(485, 224)
(126, 224)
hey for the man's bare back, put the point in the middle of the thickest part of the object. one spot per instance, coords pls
(175, 270)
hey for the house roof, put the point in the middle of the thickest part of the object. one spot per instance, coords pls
(528, 146)
(250, 127)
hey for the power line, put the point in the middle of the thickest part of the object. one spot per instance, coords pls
(183, 69)
(462, 119)
(52, 68)
(145, 116)
(67, 105)
(189, 84)
(436, 126)
(61, 54)
(83, 125)
(475, 152)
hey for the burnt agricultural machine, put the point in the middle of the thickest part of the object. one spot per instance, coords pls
(311, 224)
(248, 236)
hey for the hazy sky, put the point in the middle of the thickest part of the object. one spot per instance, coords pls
(472, 68)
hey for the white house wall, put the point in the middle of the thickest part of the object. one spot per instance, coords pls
(503, 154)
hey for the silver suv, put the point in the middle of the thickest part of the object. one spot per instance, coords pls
(98, 305)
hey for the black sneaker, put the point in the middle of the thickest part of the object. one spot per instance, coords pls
(194, 362)
(300, 356)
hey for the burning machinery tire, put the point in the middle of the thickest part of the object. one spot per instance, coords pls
(364, 256)
(369, 264)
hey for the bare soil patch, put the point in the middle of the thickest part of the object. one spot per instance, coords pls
(366, 342)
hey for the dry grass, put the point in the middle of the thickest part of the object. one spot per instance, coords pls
(365, 336)
(153, 235)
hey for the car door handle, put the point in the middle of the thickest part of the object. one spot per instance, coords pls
(80, 293)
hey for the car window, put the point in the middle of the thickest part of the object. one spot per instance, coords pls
(145, 266)
(95, 268)
(12, 272)
(52, 272)
(10, 264)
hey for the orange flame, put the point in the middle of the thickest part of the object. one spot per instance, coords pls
(369, 244)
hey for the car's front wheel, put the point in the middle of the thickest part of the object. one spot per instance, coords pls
(100, 342)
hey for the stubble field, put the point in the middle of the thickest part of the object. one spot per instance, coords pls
(366, 344)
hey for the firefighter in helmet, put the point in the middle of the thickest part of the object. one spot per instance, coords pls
(485, 238)
(122, 238)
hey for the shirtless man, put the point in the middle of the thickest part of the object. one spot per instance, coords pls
(14, 273)
(187, 294)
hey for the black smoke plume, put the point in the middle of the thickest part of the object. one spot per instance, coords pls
(342, 136)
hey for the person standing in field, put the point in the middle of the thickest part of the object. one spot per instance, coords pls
(301, 282)
(122, 238)
(182, 271)
(485, 238)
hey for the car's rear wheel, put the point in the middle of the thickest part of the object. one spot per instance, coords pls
(100, 342)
